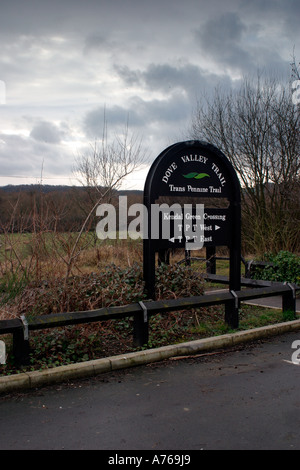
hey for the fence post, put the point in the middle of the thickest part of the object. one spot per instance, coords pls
(20, 347)
(211, 260)
(232, 311)
(140, 326)
(289, 299)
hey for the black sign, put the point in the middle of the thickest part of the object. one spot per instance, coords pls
(198, 170)
(192, 169)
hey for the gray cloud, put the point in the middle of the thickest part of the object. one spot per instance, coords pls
(163, 77)
(223, 38)
(20, 155)
(47, 132)
(170, 79)
(140, 113)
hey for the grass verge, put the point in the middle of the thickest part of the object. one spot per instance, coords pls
(75, 344)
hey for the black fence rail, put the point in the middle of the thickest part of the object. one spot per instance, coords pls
(141, 312)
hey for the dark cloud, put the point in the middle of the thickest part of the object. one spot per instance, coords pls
(169, 79)
(97, 42)
(21, 155)
(223, 38)
(31, 17)
(47, 132)
(291, 9)
(129, 76)
(173, 109)
(139, 114)
(95, 120)
(163, 77)
(283, 14)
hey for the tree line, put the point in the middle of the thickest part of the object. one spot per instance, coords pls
(38, 208)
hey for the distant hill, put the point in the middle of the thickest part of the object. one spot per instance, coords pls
(47, 188)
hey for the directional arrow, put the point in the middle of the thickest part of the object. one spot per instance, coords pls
(173, 239)
(217, 227)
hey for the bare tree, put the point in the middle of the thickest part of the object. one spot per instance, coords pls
(295, 67)
(102, 172)
(258, 129)
(109, 163)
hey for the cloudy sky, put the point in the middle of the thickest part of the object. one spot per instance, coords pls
(62, 62)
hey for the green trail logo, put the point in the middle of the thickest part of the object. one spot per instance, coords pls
(196, 176)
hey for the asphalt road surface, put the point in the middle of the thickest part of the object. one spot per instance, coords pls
(245, 398)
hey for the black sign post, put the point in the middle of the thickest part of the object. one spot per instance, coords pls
(197, 170)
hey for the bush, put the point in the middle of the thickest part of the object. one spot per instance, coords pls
(285, 268)
(112, 286)
(177, 281)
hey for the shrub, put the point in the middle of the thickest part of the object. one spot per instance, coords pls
(177, 281)
(285, 268)
(112, 286)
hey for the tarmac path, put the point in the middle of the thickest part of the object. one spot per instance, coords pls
(245, 398)
(272, 302)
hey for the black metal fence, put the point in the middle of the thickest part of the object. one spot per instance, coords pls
(141, 312)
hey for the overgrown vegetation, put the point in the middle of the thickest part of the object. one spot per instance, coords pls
(112, 286)
(117, 285)
(284, 267)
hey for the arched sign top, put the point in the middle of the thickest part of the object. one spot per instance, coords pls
(192, 168)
